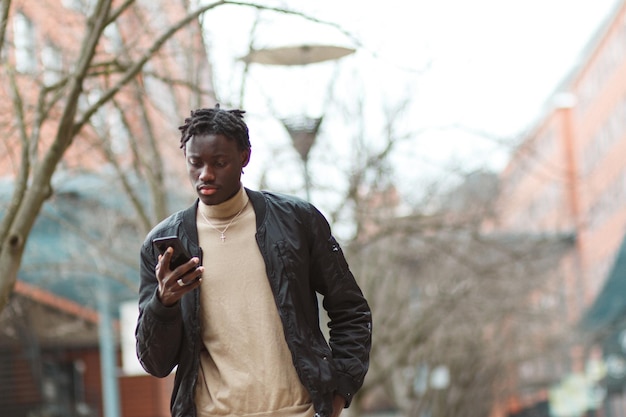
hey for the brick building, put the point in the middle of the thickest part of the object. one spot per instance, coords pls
(569, 175)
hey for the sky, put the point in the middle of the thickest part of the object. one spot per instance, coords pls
(460, 67)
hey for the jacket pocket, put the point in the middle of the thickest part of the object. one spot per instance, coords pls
(286, 261)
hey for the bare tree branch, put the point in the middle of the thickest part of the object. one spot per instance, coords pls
(5, 7)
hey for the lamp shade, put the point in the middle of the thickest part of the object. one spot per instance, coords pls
(296, 55)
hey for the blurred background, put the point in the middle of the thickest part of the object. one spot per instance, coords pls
(468, 154)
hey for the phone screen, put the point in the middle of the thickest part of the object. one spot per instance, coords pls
(180, 255)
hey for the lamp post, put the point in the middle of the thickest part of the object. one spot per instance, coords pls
(302, 129)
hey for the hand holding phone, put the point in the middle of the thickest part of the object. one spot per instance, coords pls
(180, 255)
(172, 286)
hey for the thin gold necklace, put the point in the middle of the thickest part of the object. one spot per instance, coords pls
(223, 232)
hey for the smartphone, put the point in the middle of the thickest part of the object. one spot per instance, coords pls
(180, 255)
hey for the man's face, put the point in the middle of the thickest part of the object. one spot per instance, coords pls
(214, 165)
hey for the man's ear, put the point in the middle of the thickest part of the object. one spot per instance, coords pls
(245, 157)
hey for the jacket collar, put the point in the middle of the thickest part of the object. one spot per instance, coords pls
(259, 204)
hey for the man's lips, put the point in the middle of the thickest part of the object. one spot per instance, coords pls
(207, 190)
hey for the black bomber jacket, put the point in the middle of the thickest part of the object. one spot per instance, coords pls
(302, 258)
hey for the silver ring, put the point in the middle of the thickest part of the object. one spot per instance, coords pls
(180, 282)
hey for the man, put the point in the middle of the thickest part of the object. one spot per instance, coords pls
(240, 319)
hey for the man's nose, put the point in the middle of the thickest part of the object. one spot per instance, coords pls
(207, 174)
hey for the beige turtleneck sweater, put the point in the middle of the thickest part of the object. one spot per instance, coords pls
(246, 367)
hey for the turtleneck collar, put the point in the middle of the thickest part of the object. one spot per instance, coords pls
(226, 209)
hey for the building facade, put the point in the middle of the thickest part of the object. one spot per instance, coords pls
(569, 175)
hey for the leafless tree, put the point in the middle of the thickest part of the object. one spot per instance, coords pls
(457, 309)
(100, 96)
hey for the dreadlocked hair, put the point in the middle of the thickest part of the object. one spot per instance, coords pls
(216, 122)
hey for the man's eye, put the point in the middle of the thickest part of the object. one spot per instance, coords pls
(220, 164)
(194, 162)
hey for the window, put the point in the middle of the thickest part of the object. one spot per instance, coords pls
(24, 36)
(81, 6)
(52, 61)
(115, 43)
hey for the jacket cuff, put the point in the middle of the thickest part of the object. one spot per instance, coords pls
(162, 312)
(346, 388)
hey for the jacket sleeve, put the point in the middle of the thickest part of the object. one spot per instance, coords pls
(159, 328)
(349, 313)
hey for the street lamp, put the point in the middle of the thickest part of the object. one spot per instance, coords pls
(302, 129)
(296, 55)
